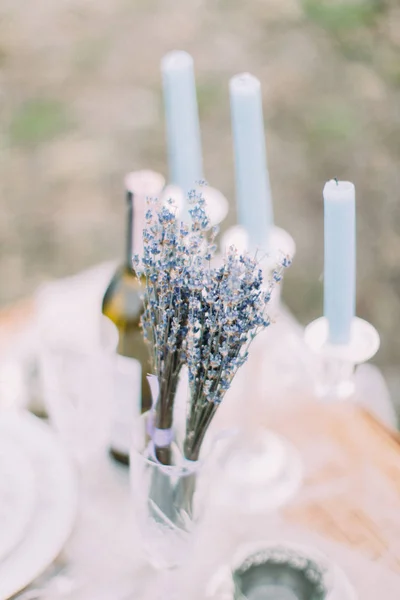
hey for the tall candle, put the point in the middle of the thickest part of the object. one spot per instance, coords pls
(253, 192)
(340, 259)
(182, 120)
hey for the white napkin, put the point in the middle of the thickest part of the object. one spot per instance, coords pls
(72, 305)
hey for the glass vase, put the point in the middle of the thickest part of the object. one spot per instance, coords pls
(168, 500)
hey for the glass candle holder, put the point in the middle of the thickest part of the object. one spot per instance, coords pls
(217, 205)
(259, 472)
(279, 571)
(334, 375)
(279, 242)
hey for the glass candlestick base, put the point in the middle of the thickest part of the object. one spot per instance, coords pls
(259, 472)
(216, 205)
(279, 242)
(337, 362)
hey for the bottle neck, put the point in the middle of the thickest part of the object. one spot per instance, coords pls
(130, 233)
(139, 186)
(135, 225)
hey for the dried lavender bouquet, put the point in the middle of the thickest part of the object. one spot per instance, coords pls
(197, 314)
(172, 251)
(200, 315)
(227, 309)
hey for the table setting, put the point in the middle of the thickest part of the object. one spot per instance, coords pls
(169, 430)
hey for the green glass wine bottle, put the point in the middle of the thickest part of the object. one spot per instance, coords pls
(122, 303)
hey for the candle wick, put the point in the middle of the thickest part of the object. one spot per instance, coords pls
(335, 178)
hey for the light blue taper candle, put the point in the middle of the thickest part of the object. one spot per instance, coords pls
(340, 259)
(253, 192)
(182, 120)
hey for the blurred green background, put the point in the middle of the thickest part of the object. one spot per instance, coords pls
(81, 104)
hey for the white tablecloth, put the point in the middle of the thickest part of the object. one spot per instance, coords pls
(103, 560)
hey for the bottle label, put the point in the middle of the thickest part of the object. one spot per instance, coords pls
(127, 402)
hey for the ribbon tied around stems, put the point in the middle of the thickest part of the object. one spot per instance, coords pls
(161, 437)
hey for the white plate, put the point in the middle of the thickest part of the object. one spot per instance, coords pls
(17, 493)
(55, 511)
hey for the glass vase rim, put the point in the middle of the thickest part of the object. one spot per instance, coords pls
(185, 469)
(186, 464)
